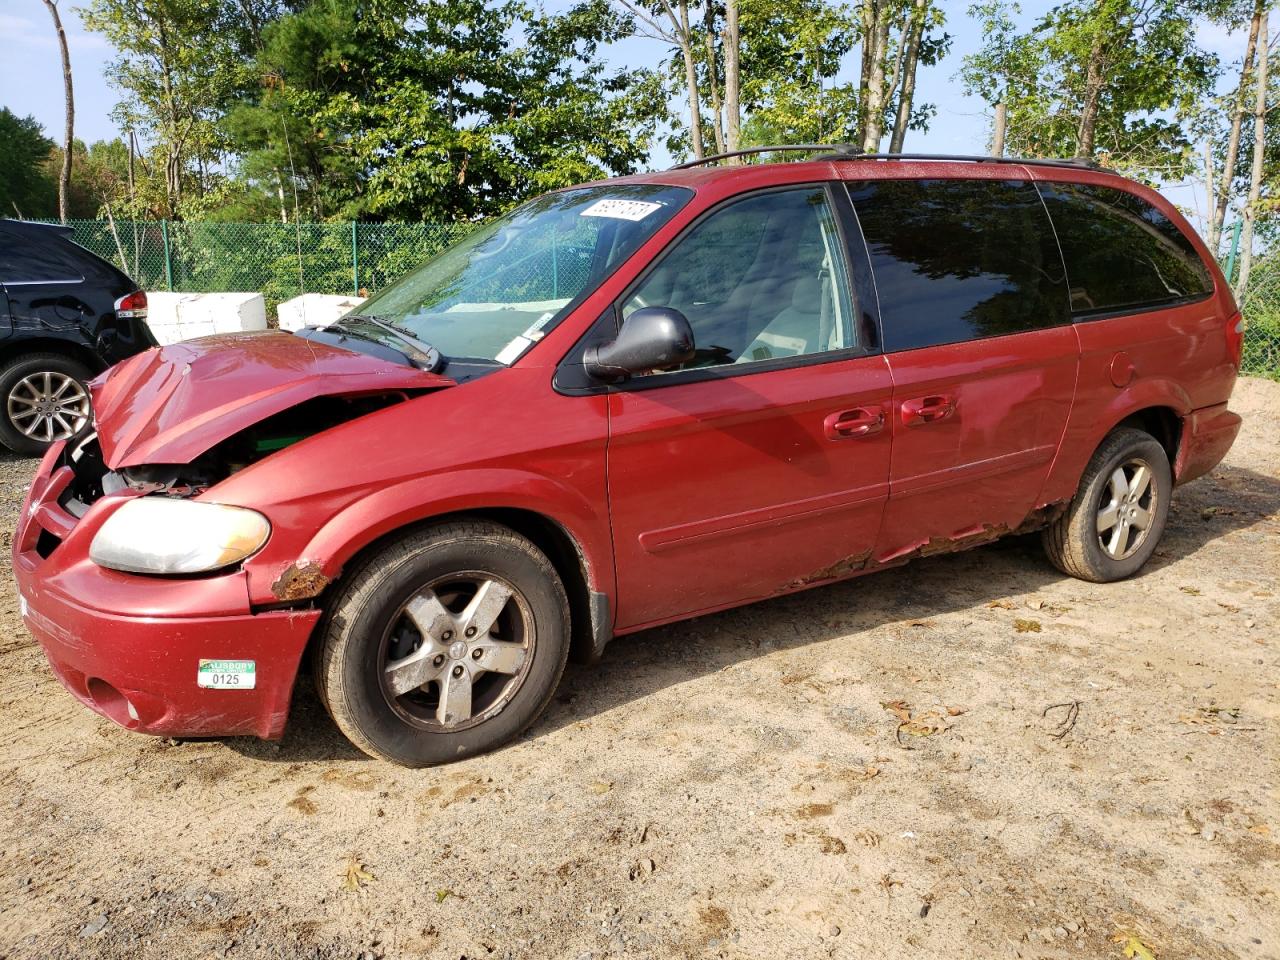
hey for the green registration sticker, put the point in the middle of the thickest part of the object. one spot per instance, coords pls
(226, 674)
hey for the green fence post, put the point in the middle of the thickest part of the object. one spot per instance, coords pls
(168, 257)
(1235, 248)
(355, 262)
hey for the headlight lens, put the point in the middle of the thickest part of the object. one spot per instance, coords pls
(166, 535)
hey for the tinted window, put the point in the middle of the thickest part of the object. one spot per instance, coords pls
(1121, 252)
(35, 255)
(960, 259)
(761, 278)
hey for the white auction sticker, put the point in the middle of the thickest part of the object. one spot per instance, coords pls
(227, 674)
(620, 209)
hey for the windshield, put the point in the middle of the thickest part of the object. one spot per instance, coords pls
(496, 292)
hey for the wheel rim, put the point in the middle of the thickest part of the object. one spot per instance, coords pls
(1127, 509)
(48, 406)
(456, 652)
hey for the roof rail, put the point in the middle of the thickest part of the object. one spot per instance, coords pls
(845, 151)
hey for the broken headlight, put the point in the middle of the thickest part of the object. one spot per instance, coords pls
(167, 536)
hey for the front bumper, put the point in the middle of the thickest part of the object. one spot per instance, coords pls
(129, 647)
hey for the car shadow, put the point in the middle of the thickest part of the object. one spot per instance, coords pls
(1231, 499)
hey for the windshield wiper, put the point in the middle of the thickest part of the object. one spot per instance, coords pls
(423, 354)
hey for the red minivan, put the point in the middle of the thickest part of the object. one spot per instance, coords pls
(620, 405)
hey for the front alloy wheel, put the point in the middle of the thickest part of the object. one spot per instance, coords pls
(446, 643)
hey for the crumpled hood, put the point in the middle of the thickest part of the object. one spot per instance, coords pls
(171, 404)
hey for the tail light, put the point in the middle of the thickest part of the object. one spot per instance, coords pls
(132, 306)
(1235, 338)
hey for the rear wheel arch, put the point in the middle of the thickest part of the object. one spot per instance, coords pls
(1164, 423)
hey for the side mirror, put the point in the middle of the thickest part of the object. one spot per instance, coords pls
(650, 339)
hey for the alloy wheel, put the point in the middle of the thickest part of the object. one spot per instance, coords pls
(48, 406)
(1126, 511)
(457, 652)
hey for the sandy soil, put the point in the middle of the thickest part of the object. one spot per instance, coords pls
(730, 787)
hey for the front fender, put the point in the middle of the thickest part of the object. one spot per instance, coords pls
(383, 511)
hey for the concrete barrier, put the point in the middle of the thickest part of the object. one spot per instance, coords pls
(183, 316)
(314, 310)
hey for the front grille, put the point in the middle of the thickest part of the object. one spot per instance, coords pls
(89, 470)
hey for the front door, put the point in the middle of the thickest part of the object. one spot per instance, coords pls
(761, 466)
(977, 332)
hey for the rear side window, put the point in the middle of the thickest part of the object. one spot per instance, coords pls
(958, 260)
(38, 257)
(1121, 252)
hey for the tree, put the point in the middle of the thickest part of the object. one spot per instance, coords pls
(1117, 77)
(897, 36)
(26, 190)
(1253, 207)
(68, 138)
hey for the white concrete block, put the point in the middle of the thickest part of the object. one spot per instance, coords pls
(314, 310)
(227, 312)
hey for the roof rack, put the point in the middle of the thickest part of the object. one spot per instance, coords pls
(847, 151)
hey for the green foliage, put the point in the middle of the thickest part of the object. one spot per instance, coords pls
(26, 189)
(1152, 77)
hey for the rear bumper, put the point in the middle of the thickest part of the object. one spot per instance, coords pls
(129, 647)
(1207, 435)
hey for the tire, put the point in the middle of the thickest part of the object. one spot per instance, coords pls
(21, 387)
(404, 616)
(1075, 541)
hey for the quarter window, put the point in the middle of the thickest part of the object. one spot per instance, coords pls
(759, 279)
(1121, 252)
(958, 260)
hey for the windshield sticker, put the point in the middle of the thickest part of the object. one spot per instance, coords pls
(227, 674)
(513, 349)
(621, 209)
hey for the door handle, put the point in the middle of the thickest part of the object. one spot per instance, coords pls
(858, 422)
(928, 409)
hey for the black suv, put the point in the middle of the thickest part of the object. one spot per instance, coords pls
(65, 316)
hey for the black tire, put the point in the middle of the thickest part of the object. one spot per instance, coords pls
(13, 373)
(368, 624)
(1074, 541)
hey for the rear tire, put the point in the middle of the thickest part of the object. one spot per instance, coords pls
(445, 644)
(43, 398)
(1118, 515)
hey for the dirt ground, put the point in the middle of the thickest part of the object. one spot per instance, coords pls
(859, 771)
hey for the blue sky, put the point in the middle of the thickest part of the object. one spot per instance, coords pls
(31, 78)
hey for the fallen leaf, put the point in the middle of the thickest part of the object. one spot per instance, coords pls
(956, 711)
(1193, 591)
(899, 708)
(1000, 605)
(443, 895)
(601, 786)
(1035, 604)
(1133, 947)
(356, 876)
(920, 623)
(1027, 626)
(1261, 829)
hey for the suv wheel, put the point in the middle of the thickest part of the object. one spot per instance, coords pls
(445, 644)
(44, 399)
(1118, 515)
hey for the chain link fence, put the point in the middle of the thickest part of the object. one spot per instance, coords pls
(278, 260)
(1260, 305)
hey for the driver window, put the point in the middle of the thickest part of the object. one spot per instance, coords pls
(759, 279)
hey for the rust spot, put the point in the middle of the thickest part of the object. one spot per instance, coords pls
(300, 581)
(841, 568)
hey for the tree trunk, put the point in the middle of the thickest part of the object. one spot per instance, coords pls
(907, 97)
(1002, 122)
(68, 139)
(868, 15)
(1092, 98)
(1259, 155)
(691, 80)
(713, 74)
(874, 97)
(732, 77)
(1218, 214)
